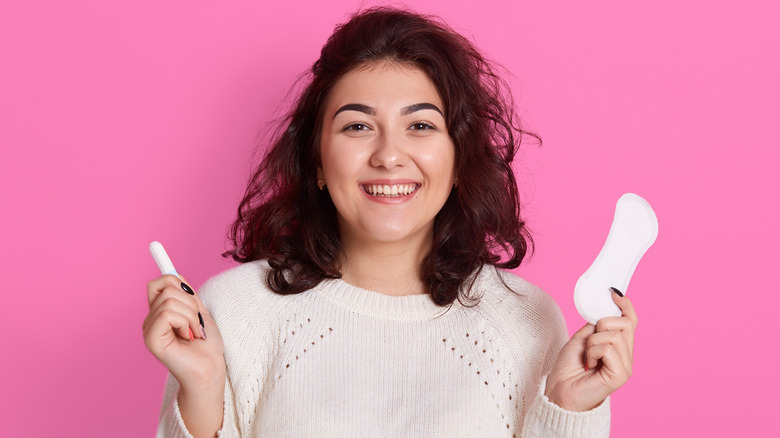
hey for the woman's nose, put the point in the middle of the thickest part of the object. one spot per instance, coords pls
(389, 151)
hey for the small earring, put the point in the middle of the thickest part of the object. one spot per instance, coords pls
(455, 183)
(321, 183)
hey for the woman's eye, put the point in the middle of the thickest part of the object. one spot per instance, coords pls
(356, 127)
(421, 126)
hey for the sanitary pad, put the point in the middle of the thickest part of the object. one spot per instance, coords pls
(633, 231)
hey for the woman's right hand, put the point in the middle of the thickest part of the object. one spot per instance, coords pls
(196, 362)
(172, 319)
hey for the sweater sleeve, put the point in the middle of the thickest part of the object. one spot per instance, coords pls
(172, 425)
(545, 419)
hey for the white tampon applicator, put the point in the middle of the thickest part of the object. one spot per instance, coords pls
(165, 266)
(161, 259)
(633, 231)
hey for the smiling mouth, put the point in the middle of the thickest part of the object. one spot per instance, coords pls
(390, 191)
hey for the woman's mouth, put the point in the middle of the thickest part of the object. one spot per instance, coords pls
(390, 190)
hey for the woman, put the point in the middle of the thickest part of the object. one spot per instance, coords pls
(369, 300)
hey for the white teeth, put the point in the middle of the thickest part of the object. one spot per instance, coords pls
(386, 190)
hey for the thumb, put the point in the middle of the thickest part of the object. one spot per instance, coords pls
(585, 331)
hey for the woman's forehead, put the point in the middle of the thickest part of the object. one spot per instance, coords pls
(384, 85)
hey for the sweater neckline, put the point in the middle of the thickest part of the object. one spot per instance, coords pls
(368, 302)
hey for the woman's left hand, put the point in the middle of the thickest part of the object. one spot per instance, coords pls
(596, 361)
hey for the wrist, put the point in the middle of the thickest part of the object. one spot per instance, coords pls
(563, 399)
(201, 405)
(198, 376)
(208, 380)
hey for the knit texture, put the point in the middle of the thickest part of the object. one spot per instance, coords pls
(342, 361)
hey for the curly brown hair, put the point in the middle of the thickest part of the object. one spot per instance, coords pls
(285, 219)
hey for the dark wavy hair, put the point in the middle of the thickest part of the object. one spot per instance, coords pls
(285, 219)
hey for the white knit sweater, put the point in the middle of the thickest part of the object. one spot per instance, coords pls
(340, 361)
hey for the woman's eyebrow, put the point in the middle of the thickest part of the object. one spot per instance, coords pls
(405, 111)
(356, 107)
(419, 107)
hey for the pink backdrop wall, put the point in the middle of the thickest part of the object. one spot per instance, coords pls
(125, 123)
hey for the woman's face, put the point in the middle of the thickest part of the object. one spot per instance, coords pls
(387, 158)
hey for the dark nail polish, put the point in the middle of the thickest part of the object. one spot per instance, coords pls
(192, 292)
(617, 292)
(187, 288)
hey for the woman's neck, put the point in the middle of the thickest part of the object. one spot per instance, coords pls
(387, 268)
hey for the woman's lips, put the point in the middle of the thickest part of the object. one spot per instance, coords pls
(390, 190)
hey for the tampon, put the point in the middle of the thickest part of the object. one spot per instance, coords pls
(161, 259)
(165, 266)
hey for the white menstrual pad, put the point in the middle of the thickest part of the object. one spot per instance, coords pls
(633, 231)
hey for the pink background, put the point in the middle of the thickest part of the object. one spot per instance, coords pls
(125, 123)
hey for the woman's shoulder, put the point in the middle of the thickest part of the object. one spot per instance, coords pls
(241, 287)
(245, 275)
(518, 300)
(506, 288)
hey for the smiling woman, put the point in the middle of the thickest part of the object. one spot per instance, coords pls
(450, 92)
(370, 300)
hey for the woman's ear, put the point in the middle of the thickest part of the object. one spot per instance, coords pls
(320, 179)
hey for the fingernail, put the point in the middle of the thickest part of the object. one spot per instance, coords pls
(192, 338)
(200, 317)
(203, 332)
(617, 292)
(187, 288)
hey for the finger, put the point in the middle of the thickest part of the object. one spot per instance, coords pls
(584, 331)
(190, 310)
(612, 366)
(173, 316)
(618, 323)
(185, 285)
(156, 286)
(626, 307)
(185, 305)
(174, 292)
(178, 284)
(616, 339)
(580, 337)
(172, 300)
